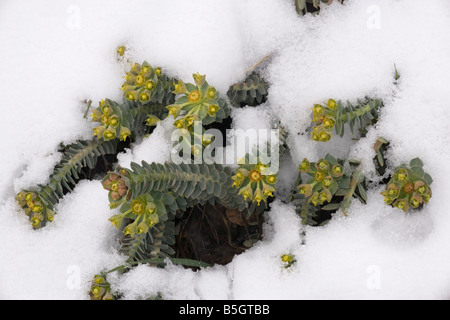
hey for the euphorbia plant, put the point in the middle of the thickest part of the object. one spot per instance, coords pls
(409, 187)
(333, 116)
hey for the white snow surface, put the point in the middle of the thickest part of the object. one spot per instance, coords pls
(55, 54)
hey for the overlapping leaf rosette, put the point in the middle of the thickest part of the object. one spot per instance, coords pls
(409, 188)
(326, 177)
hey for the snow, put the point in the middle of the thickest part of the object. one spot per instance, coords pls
(55, 54)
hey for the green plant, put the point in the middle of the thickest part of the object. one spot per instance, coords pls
(199, 102)
(313, 6)
(145, 84)
(409, 187)
(39, 202)
(380, 147)
(251, 92)
(101, 289)
(150, 199)
(123, 120)
(334, 115)
(255, 180)
(151, 195)
(328, 188)
(288, 260)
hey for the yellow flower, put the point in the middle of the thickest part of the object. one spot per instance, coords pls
(109, 134)
(116, 220)
(29, 197)
(124, 133)
(143, 227)
(401, 204)
(328, 123)
(99, 279)
(152, 120)
(319, 176)
(304, 166)
(191, 119)
(194, 96)
(152, 220)
(327, 182)
(96, 115)
(180, 87)
(212, 109)
(37, 208)
(271, 179)
(305, 189)
(318, 109)
(199, 79)
(255, 176)
(286, 258)
(131, 95)
(268, 190)
(324, 136)
(258, 197)
(322, 165)
(246, 192)
(121, 50)
(332, 104)
(150, 208)
(98, 131)
(150, 85)
(114, 121)
(139, 80)
(146, 68)
(105, 119)
(97, 292)
(36, 220)
(211, 93)
(144, 96)
(180, 124)
(137, 207)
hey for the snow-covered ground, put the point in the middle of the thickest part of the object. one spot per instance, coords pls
(54, 54)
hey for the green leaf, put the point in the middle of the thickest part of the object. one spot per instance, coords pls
(418, 171)
(331, 207)
(428, 179)
(334, 187)
(330, 159)
(190, 87)
(416, 162)
(344, 183)
(362, 192)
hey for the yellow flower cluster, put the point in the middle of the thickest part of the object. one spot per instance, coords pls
(34, 208)
(252, 184)
(140, 82)
(111, 126)
(325, 120)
